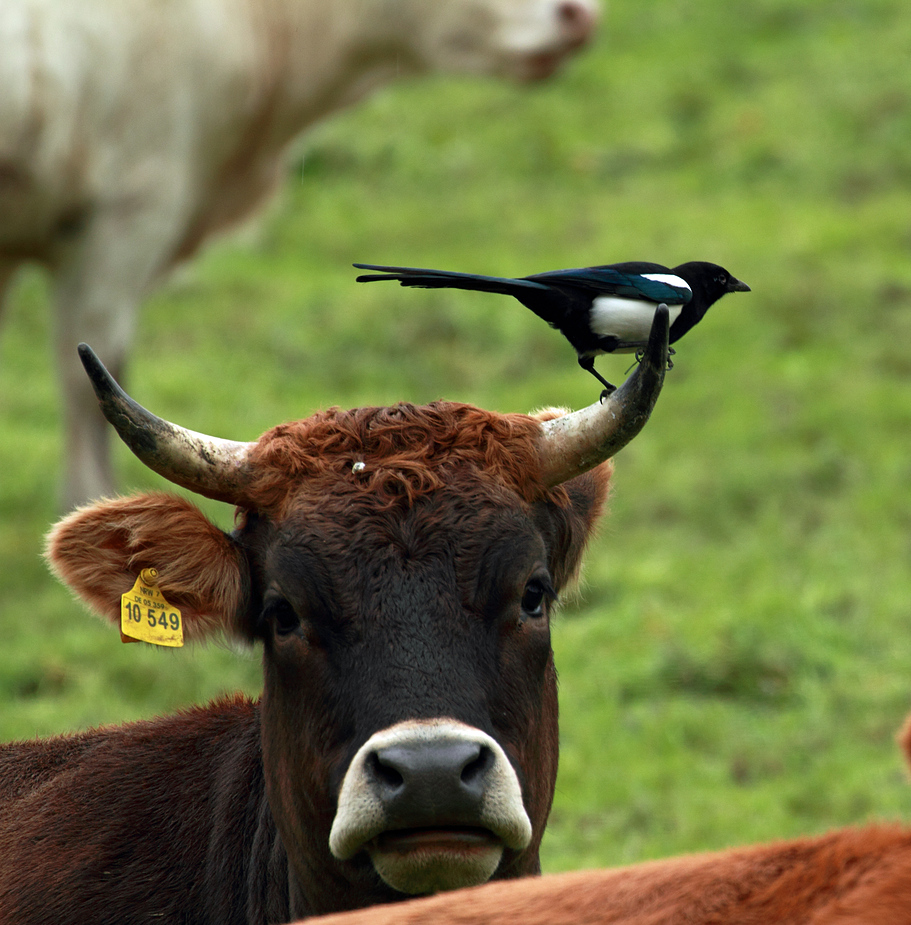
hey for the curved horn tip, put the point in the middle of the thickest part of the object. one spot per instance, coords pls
(90, 361)
(653, 364)
(658, 346)
(658, 339)
(209, 466)
(583, 439)
(102, 381)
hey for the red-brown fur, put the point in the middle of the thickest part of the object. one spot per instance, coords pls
(407, 451)
(157, 785)
(221, 814)
(848, 877)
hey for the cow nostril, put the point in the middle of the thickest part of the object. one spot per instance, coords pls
(385, 774)
(476, 769)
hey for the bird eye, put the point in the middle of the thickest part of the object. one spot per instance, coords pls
(536, 592)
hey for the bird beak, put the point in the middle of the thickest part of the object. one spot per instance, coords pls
(736, 286)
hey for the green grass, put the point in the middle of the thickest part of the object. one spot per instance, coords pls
(737, 663)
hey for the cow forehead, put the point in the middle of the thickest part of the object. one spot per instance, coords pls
(393, 456)
(449, 535)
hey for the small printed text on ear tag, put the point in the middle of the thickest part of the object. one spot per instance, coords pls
(145, 616)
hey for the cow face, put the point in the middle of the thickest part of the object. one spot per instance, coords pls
(521, 39)
(421, 637)
(409, 709)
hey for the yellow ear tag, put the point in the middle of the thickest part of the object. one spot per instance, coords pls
(145, 616)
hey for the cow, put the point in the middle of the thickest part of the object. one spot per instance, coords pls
(398, 566)
(853, 876)
(130, 131)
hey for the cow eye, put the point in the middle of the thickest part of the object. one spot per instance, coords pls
(282, 616)
(536, 592)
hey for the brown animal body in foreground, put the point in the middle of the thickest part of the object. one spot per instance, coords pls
(847, 877)
(132, 130)
(398, 566)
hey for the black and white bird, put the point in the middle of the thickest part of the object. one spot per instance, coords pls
(606, 309)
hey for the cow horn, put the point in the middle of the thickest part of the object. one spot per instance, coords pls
(209, 466)
(581, 440)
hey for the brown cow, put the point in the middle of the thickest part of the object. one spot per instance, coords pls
(131, 131)
(398, 566)
(848, 877)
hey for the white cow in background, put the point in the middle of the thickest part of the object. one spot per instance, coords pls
(130, 130)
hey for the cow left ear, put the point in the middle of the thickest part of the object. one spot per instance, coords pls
(99, 550)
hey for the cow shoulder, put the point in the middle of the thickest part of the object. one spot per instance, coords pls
(161, 811)
(99, 550)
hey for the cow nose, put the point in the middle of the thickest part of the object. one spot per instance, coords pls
(422, 775)
(436, 783)
(577, 20)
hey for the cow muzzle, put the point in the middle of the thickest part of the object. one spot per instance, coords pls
(538, 48)
(434, 803)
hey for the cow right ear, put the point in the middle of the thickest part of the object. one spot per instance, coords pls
(99, 550)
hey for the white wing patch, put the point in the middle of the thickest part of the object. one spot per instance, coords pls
(629, 320)
(668, 278)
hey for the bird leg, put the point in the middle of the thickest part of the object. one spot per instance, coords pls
(588, 364)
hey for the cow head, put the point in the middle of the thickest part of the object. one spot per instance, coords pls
(519, 39)
(399, 566)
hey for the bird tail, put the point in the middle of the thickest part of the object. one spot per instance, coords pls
(446, 279)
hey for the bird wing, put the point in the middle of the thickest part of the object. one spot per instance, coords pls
(649, 281)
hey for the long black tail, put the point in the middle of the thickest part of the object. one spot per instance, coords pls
(445, 279)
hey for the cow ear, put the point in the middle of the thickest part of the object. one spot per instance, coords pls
(573, 512)
(99, 550)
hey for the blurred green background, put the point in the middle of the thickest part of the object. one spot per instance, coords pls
(736, 664)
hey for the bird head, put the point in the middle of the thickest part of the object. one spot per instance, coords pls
(710, 280)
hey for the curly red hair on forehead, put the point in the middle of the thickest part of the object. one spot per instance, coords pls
(402, 452)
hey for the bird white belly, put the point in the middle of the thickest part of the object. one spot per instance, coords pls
(629, 320)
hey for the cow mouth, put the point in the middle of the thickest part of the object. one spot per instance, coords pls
(532, 66)
(539, 66)
(428, 860)
(450, 838)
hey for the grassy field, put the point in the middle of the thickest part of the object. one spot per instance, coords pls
(737, 663)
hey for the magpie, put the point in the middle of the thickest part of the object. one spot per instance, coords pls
(605, 309)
